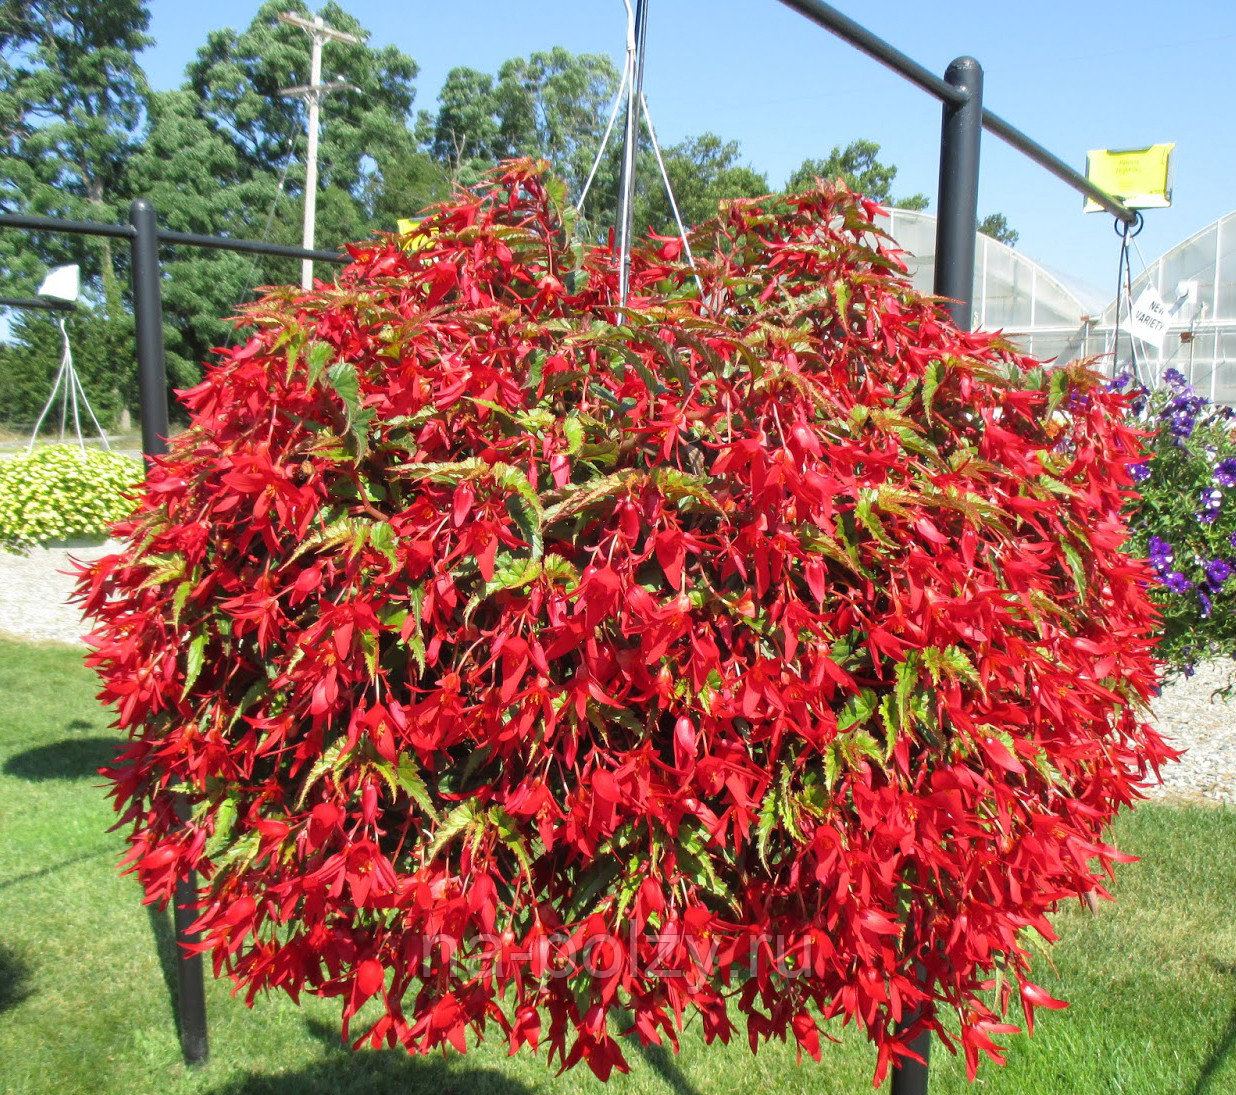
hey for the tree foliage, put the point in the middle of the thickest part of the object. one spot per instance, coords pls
(552, 104)
(72, 96)
(996, 225)
(859, 166)
(29, 365)
(703, 172)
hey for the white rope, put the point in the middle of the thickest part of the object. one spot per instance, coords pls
(89, 410)
(64, 360)
(72, 388)
(77, 422)
(634, 111)
(613, 116)
(669, 193)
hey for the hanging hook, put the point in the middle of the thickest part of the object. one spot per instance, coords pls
(1129, 229)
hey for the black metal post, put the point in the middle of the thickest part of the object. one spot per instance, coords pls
(960, 135)
(152, 384)
(957, 223)
(148, 324)
(910, 1077)
(190, 977)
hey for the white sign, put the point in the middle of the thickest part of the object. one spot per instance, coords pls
(1149, 318)
(61, 283)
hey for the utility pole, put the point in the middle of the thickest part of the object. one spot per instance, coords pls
(312, 94)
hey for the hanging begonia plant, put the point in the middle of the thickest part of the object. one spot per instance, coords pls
(533, 666)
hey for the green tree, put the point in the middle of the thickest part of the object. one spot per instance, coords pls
(859, 165)
(555, 104)
(552, 104)
(703, 171)
(409, 181)
(466, 129)
(996, 225)
(238, 76)
(28, 366)
(198, 182)
(72, 96)
(225, 155)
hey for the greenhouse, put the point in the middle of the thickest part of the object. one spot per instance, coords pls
(1012, 293)
(1196, 279)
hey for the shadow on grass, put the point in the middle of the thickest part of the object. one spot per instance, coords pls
(165, 947)
(72, 861)
(1227, 1043)
(661, 1061)
(658, 1058)
(14, 978)
(375, 1072)
(71, 758)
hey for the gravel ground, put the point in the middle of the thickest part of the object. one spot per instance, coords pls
(34, 588)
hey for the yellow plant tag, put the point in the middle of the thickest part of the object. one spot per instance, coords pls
(1139, 177)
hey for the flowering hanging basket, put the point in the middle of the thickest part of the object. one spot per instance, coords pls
(764, 649)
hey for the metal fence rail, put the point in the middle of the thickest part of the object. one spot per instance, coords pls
(828, 17)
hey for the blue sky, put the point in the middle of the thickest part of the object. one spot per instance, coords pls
(1072, 76)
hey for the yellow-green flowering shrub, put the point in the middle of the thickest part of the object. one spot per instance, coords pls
(59, 491)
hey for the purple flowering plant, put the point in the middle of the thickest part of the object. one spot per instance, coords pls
(1185, 519)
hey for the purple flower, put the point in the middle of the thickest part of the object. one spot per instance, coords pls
(1212, 501)
(1176, 380)
(1177, 582)
(1225, 473)
(1161, 554)
(1121, 380)
(1181, 423)
(1233, 543)
(1205, 604)
(1140, 472)
(1217, 572)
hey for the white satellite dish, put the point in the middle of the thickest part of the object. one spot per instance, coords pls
(62, 283)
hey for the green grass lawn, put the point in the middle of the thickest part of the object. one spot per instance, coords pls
(87, 980)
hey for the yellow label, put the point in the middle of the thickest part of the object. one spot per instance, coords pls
(418, 241)
(1139, 177)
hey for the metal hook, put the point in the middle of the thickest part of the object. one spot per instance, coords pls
(1128, 230)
